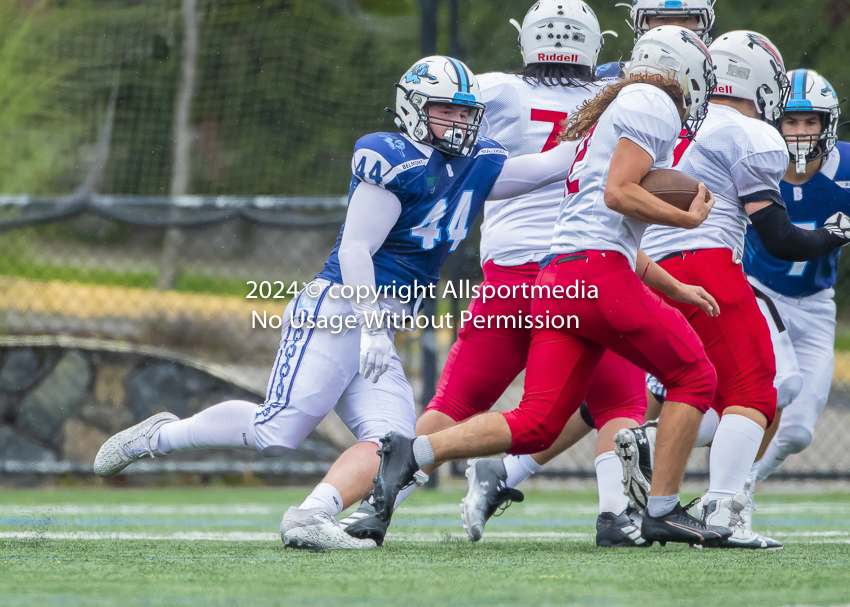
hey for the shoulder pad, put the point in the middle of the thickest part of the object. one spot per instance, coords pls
(487, 146)
(392, 146)
(842, 175)
(611, 70)
(380, 157)
(491, 79)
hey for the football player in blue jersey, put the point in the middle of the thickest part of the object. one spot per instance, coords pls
(816, 186)
(413, 197)
(696, 15)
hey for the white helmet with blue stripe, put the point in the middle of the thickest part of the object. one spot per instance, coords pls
(439, 80)
(811, 92)
(641, 10)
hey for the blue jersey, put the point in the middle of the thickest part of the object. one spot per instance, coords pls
(809, 205)
(612, 70)
(440, 197)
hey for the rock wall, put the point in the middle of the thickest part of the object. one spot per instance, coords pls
(58, 405)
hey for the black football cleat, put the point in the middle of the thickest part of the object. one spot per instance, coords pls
(397, 470)
(636, 449)
(620, 530)
(364, 523)
(680, 527)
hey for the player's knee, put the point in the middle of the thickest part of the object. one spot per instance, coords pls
(787, 389)
(793, 439)
(695, 386)
(535, 439)
(273, 451)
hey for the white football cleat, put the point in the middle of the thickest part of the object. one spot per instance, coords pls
(724, 512)
(747, 513)
(130, 445)
(315, 530)
(741, 538)
(728, 512)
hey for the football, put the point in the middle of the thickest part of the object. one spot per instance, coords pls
(671, 186)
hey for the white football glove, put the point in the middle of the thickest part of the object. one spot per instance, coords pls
(376, 352)
(839, 224)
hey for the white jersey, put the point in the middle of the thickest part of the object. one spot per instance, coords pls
(740, 160)
(643, 114)
(525, 118)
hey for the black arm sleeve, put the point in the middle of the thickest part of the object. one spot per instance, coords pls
(787, 242)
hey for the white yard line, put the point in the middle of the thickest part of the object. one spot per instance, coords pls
(829, 537)
(448, 509)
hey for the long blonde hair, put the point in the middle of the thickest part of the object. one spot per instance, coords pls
(583, 120)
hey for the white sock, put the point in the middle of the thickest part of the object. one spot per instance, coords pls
(660, 505)
(227, 425)
(519, 468)
(326, 497)
(707, 428)
(752, 477)
(609, 478)
(733, 452)
(423, 453)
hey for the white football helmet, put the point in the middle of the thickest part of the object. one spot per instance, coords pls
(677, 53)
(749, 66)
(439, 80)
(703, 10)
(559, 31)
(811, 92)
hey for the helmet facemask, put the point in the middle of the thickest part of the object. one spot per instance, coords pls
(805, 148)
(640, 17)
(459, 138)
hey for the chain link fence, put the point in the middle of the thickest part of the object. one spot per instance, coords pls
(92, 274)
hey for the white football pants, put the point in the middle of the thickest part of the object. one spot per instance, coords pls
(317, 370)
(805, 362)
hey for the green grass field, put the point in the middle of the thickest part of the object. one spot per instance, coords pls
(220, 547)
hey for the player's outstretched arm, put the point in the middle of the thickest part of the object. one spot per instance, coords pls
(658, 278)
(523, 174)
(372, 213)
(787, 242)
(629, 165)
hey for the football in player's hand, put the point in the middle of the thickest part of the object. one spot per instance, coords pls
(673, 187)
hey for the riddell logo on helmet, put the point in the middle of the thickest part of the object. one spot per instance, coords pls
(724, 90)
(557, 57)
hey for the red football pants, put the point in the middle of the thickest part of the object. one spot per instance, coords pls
(485, 360)
(738, 341)
(626, 318)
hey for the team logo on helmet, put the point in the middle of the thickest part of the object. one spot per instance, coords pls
(756, 40)
(689, 36)
(419, 72)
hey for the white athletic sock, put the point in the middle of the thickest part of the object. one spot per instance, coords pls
(227, 425)
(707, 428)
(733, 452)
(519, 468)
(771, 461)
(752, 477)
(423, 453)
(326, 497)
(660, 505)
(609, 478)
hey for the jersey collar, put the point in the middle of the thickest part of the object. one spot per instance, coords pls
(424, 149)
(830, 164)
